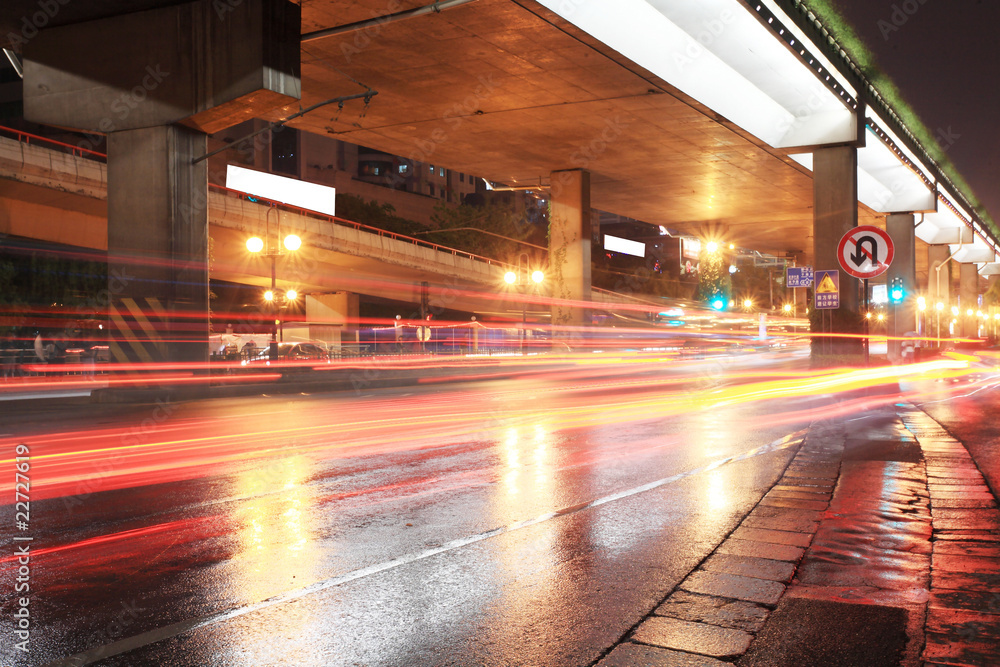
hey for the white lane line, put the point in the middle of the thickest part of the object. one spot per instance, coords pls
(138, 641)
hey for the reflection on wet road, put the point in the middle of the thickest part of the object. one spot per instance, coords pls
(527, 521)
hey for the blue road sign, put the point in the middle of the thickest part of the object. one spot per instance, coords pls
(827, 291)
(801, 276)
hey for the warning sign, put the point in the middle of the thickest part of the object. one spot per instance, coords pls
(827, 294)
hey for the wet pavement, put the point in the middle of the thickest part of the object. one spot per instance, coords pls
(878, 547)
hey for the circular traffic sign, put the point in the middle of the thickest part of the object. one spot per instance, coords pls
(865, 251)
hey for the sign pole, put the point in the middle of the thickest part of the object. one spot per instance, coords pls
(867, 337)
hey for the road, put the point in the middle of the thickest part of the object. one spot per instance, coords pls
(526, 521)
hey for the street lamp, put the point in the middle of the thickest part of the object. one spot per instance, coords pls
(520, 278)
(256, 245)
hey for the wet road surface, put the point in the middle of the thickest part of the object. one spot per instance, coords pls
(522, 522)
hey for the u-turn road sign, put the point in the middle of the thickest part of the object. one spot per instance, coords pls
(865, 252)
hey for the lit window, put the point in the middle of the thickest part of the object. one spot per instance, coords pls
(441, 171)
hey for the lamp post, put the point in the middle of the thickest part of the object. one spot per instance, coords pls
(256, 245)
(520, 278)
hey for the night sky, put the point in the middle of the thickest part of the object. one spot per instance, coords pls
(945, 61)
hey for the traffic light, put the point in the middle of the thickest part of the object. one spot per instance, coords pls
(896, 291)
(718, 303)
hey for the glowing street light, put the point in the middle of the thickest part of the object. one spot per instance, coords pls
(711, 247)
(256, 245)
(520, 277)
(748, 303)
(787, 308)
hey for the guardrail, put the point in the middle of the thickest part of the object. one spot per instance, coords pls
(34, 139)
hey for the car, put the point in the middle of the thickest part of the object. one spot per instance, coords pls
(293, 352)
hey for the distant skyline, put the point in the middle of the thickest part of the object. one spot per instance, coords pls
(942, 56)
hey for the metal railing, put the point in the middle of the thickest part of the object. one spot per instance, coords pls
(34, 139)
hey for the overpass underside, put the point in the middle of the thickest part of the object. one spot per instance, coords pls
(723, 118)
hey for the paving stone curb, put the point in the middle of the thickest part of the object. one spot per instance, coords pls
(941, 574)
(962, 626)
(712, 616)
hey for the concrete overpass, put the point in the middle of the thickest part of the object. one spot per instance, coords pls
(52, 194)
(739, 119)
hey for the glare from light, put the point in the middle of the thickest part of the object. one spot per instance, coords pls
(732, 268)
(881, 317)
(293, 242)
(922, 303)
(255, 244)
(787, 308)
(510, 277)
(537, 276)
(979, 313)
(711, 247)
(291, 295)
(868, 316)
(268, 295)
(748, 303)
(969, 312)
(732, 246)
(718, 304)
(939, 306)
(954, 310)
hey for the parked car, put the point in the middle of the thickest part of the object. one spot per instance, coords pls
(292, 352)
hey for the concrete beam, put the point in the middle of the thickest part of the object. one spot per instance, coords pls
(207, 65)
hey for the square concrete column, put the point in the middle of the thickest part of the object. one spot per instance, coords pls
(328, 318)
(835, 212)
(568, 275)
(155, 82)
(902, 317)
(968, 293)
(158, 244)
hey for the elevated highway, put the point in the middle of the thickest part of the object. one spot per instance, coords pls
(742, 120)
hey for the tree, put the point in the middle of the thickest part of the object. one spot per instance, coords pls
(713, 275)
(459, 227)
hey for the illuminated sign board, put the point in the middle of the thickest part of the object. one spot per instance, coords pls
(311, 196)
(624, 246)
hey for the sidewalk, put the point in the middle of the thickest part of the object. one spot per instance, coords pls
(879, 546)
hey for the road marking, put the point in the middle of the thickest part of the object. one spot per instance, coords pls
(167, 632)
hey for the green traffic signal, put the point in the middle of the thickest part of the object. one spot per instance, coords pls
(896, 291)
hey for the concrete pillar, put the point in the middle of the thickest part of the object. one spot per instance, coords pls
(968, 292)
(835, 212)
(902, 318)
(158, 244)
(330, 318)
(570, 229)
(156, 82)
